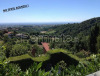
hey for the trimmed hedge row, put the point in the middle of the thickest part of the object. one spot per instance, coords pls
(49, 59)
(44, 57)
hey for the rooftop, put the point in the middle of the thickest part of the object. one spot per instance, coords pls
(46, 46)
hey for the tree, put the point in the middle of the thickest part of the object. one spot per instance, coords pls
(1, 33)
(98, 44)
(8, 49)
(14, 33)
(93, 39)
(6, 39)
(2, 54)
(18, 49)
(38, 49)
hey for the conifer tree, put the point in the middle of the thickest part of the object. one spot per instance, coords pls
(93, 39)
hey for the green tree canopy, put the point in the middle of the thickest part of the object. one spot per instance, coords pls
(18, 49)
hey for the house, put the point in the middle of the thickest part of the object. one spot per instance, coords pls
(21, 36)
(9, 34)
(45, 46)
(43, 32)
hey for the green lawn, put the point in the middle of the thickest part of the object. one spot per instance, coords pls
(50, 32)
(27, 56)
(17, 58)
(41, 58)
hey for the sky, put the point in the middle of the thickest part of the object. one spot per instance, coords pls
(49, 11)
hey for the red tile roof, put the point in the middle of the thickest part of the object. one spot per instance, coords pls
(46, 46)
(9, 32)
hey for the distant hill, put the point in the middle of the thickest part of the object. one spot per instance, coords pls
(77, 28)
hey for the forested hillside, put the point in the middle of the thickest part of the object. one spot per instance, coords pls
(77, 28)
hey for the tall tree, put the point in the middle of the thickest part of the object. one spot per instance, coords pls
(93, 39)
(98, 44)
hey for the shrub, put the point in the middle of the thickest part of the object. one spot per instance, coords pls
(18, 49)
(83, 54)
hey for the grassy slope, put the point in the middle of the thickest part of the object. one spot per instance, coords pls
(16, 58)
(43, 57)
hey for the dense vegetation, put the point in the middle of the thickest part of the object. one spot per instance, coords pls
(77, 56)
(59, 70)
(75, 29)
(87, 34)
